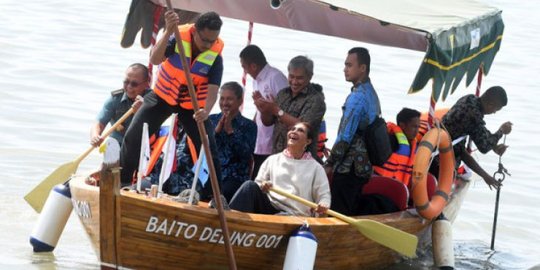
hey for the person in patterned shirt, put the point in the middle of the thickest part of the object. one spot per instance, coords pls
(466, 118)
(348, 162)
(235, 138)
(301, 101)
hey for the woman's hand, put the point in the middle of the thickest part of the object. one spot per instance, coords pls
(321, 208)
(265, 187)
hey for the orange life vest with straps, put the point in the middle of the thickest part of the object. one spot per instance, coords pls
(399, 165)
(322, 152)
(171, 84)
(424, 128)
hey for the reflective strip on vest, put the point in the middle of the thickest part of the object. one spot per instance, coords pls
(399, 165)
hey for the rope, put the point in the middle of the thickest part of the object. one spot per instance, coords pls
(185, 195)
(431, 114)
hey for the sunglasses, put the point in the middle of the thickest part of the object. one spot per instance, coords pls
(132, 83)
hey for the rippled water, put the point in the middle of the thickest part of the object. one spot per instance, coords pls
(60, 59)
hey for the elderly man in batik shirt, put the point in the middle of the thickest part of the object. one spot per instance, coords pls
(301, 101)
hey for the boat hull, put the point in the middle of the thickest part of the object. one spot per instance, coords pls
(150, 233)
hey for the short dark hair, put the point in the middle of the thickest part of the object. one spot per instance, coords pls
(406, 115)
(237, 89)
(209, 20)
(310, 132)
(302, 62)
(143, 69)
(363, 57)
(496, 93)
(252, 54)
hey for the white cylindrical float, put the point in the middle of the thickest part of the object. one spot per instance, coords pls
(52, 220)
(443, 247)
(301, 250)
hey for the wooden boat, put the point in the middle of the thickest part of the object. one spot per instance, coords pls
(136, 231)
(132, 230)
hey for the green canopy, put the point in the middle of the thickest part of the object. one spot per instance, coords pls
(459, 51)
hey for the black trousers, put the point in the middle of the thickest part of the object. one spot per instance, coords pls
(153, 112)
(346, 191)
(229, 188)
(250, 199)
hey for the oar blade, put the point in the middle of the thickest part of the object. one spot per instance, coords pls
(398, 240)
(37, 196)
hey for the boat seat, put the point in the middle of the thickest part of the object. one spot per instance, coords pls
(431, 185)
(390, 188)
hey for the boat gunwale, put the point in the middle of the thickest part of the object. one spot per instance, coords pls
(388, 218)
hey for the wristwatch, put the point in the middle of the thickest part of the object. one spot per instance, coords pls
(280, 113)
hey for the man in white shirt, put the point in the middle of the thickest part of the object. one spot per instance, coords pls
(267, 82)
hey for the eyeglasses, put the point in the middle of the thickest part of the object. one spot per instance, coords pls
(205, 40)
(132, 83)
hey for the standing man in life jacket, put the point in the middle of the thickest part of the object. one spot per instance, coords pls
(120, 101)
(403, 139)
(203, 49)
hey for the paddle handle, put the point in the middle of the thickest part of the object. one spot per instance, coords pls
(106, 133)
(311, 204)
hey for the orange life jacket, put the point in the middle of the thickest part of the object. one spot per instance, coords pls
(321, 141)
(171, 84)
(439, 113)
(399, 165)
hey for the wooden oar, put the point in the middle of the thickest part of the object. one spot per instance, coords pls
(398, 240)
(37, 196)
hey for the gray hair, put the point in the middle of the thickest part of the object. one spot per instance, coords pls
(302, 62)
(235, 87)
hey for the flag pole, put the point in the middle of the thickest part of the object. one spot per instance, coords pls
(196, 177)
(143, 157)
(165, 168)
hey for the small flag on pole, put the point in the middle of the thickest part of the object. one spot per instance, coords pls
(204, 172)
(144, 157)
(169, 151)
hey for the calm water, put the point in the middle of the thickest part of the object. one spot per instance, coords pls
(60, 59)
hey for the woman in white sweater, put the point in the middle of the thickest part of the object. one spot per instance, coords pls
(293, 170)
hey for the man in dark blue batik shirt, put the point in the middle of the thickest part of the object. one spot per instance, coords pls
(235, 138)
